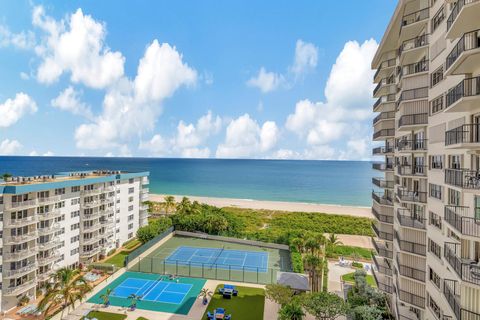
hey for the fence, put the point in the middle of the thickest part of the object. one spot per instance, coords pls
(205, 270)
(137, 252)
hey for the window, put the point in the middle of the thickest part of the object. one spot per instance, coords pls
(436, 162)
(130, 235)
(436, 191)
(455, 161)
(130, 217)
(438, 18)
(131, 190)
(434, 277)
(436, 77)
(75, 226)
(130, 199)
(60, 218)
(59, 191)
(453, 197)
(131, 180)
(435, 220)
(59, 205)
(75, 201)
(74, 251)
(436, 105)
(130, 208)
(74, 214)
(434, 307)
(130, 226)
(434, 248)
(74, 239)
(75, 189)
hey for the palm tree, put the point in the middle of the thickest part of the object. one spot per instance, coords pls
(314, 265)
(106, 297)
(133, 301)
(184, 206)
(299, 244)
(68, 287)
(333, 242)
(169, 204)
(313, 246)
(6, 175)
(291, 311)
(204, 294)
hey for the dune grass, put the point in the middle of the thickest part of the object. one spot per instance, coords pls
(249, 303)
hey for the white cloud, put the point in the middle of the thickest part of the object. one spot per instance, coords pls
(266, 81)
(286, 154)
(22, 40)
(157, 146)
(13, 109)
(69, 100)
(33, 153)
(9, 147)
(306, 58)
(76, 45)
(48, 154)
(24, 76)
(245, 138)
(342, 117)
(196, 153)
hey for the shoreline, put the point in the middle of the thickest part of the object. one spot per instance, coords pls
(355, 211)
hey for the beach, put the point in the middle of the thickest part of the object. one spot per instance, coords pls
(274, 205)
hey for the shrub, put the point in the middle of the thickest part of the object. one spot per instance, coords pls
(111, 252)
(153, 229)
(297, 261)
(358, 265)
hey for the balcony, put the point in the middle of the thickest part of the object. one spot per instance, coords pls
(411, 298)
(16, 290)
(15, 223)
(49, 230)
(413, 69)
(91, 227)
(19, 255)
(382, 101)
(92, 204)
(93, 216)
(385, 87)
(106, 221)
(411, 196)
(382, 199)
(382, 217)
(387, 236)
(382, 250)
(463, 178)
(464, 96)
(414, 22)
(87, 253)
(383, 268)
(48, 200)
(390, 115)
(466, 136)
(382, 183)
(413, 94)
(409, 170)
(94, 191)
(463, 17)
(382, 166)
(22, 205)
(412, 247)
(32, 235)
(144, 207)
(145, 190)
(17, 273)
(49, 215)
(406, 219)
(452, 298)
(48, 245)
(91, 240)
(466, 269)
(414, 49)
(51, 258)
(380, 151)
(385, 69)
(382, 285)
(465, 56)
(462, 221)
(404, 145)
(408, 122)
(410, 272)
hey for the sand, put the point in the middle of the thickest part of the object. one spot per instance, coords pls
(275, 205)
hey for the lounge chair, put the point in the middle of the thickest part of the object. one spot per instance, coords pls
(228, 317)
(209, 315)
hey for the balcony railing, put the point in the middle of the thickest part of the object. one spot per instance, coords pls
(414, 43)
(46, 200)
(413, 119)
(49, 215)
(386, 269)
(456, 10)
(413, 94)
(15, 290)
(449, 287)
(382, 183)
(411, 247)
(382, 166)
(409, 170)
(32, 235)
(411, 298)
(412, 196)
(460, 218)
(382, 286)
(463, 178)
(85, 253)
(43, 260)
(382, 250)
(469, 41)
(382, 217)
(19, 255)
(384, 133)
(32, 266)
(390, 115)
(384, 99)
(413, 68)
(382, 199)
(382, 234)
(385, 64)
(406, 219)
(21, 222)
(468, 87)
(467, 133)
(412, 145)
(411, 272)
(468, 270)
(415, 17)
(23, 204)
(382, 150)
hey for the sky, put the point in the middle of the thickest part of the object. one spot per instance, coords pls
(194, 79)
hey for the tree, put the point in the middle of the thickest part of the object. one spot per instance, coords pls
(279, 293)
(6, 175)
(313, 264)
(299, 244)
(325, 305)
(332, 242)
(312, 246)
(204, 294)
(68, 287)
(366, 312)
(291, 311)
(184, 206)
(169, 204)
(133, 300)
(106, 297)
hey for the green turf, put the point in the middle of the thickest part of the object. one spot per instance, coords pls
(249, 303)
(131, 244)
(349, 277)
(183, 308)
(100, 315)
(117, 259)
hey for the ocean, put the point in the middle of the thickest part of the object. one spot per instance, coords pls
(327, 182)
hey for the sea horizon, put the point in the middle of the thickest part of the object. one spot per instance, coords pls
(331, 182)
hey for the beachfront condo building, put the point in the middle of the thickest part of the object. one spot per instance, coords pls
(427, 202)
(65, 220)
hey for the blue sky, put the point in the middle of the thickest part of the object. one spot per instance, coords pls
(226, 79)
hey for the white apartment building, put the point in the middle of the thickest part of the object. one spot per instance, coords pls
(50, 222)
(428, 210)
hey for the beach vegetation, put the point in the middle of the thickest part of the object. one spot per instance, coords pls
(278, 293)
(293, 310)
(153, 229)
(169, 204)
(325, 305)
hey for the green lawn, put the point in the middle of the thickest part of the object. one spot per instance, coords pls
(131, 244)
(349, 277)
(100, 315)
(248, 304)
(117, 259)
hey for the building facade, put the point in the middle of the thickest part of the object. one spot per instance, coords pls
(427, 202)
(66, 220)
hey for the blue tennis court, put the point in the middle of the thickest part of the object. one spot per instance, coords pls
(220, 258)
(153, 290)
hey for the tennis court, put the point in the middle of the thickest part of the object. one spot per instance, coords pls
(220, 258)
